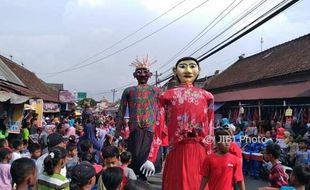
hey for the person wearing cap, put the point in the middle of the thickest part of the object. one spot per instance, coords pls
(142, 104)
(53, 140)
(83, 176)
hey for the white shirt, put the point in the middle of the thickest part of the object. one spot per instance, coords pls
(40, 166)
(15, 156)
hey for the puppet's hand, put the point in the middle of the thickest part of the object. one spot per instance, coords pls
(148, 168)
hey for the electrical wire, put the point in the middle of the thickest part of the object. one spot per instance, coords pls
(201, 33)
(132, 44)
(267, 18)
(277, 9)
(271, 15)
(231, 25)
(126, 37)
(238, 18)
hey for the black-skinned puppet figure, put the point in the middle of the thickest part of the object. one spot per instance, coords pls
(144, 137)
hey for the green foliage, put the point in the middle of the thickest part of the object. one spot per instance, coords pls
(85, 101)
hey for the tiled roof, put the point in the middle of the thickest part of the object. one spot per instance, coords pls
(290, 57)
(36, 86)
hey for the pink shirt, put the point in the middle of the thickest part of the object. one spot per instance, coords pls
(5, 177)
(70, 131)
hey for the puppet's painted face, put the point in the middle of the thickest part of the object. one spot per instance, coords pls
(142, 75)
(187, 71)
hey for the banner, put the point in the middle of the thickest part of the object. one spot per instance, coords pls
(51, 108)
(15, 118)
(66, 96)
(38, 106)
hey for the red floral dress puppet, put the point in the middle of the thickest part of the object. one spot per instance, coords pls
(142, 102)
(188, 114)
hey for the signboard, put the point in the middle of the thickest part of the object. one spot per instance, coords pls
(38, 107)
(51, 108)
(81, 95)
(65, 96)
(15, 119)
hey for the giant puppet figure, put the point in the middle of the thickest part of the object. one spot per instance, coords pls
(142, 102)
(188, 114)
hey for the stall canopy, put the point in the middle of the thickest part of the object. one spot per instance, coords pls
(270, 92)
(14, 98)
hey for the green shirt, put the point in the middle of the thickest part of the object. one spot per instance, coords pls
(53, 182)
(4, 134)
(25, 134)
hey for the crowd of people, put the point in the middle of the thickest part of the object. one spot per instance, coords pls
(272, 155)
(111, 152)
(68, 153)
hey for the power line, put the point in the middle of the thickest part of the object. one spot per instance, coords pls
(276, 12)
(201, 34)
(281, 9)
(126, 37)
(238, 18)
(132, 44)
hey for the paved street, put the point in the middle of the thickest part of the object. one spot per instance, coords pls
(250, 183)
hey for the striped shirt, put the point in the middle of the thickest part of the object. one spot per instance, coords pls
(53, 182)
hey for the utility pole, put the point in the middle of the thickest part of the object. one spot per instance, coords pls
(261, 44)
(156, 77)
(114, 91)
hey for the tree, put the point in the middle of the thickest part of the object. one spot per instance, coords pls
(91, 101)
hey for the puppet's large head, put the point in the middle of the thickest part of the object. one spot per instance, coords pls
(187, 70)
(142, 72)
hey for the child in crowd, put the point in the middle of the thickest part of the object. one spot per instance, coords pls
(72, 158)
(4, 143)
(122, 146)
(302, 154)
(111, 179)
(25, 151)
(277, 176)
(89, 158)
(299, 178)
(51, 178)
(126, 160)
(17, 148)
(35, 151)
(221, 165)
(268, 138)
(83, 177)
(110, 156)
(5, 175)
(24, 173)
(86, 147)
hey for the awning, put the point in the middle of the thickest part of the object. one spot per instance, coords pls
(14, 98)
(218, 105)
(4, 96)
(294, 90)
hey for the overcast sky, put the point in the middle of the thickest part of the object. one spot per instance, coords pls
(49, 36)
